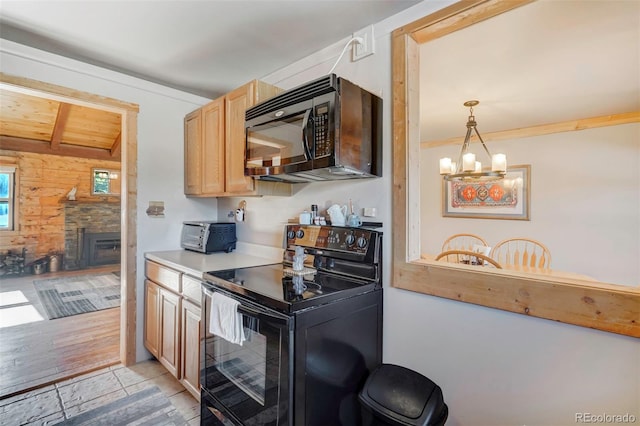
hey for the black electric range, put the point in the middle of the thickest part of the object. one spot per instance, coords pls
(309, 337)
(340, 262)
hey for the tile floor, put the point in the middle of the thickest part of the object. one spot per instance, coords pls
(62, 400)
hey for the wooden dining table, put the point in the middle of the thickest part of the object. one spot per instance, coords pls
(550, 273)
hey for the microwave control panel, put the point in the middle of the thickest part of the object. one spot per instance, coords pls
(323, 144)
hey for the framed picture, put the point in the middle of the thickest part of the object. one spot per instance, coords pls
(507, 198)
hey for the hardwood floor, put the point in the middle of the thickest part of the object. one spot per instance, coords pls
(35, 351)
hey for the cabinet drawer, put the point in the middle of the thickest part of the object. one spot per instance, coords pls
(191, 289)
(164, 276)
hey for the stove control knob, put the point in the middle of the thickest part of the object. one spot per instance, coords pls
(362, 242)
(350, 239)
(300, 233)
(291, 235)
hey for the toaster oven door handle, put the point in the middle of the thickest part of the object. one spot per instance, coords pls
(305, 133)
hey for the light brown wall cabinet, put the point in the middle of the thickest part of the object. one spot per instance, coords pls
(172, 323)
(214, 143)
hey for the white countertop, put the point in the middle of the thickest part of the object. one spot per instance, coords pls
(196, 264)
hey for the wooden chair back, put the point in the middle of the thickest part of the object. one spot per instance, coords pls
(522, 252)
(463, 242)
(467, 256)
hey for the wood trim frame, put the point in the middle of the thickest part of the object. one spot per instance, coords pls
(544, 129)
(607, 307)
(129, 143)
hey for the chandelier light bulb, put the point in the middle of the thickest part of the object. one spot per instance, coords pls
(445, 166)
(469, 162)
(499, 163)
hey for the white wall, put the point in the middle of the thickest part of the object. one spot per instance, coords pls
(495, 367)
(586, 212)
(160, 146)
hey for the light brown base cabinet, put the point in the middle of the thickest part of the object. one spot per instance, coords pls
(172, 323)
(190, 365)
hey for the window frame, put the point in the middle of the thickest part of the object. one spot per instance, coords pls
(602, 306)
(12, 220)
(113, 181)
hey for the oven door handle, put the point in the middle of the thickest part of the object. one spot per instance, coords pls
(261, 315)
(264, 316)
(248, 311)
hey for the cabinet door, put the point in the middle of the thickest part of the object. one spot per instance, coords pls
(151, 317)
(169, 348)
(213, 158)
(190, 364)
(236, 105)
(192, 153)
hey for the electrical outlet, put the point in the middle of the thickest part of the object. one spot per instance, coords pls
(369, 212)
(367, 47)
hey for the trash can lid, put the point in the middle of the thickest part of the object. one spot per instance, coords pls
(403, 396)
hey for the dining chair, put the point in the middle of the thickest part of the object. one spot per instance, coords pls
(467, 257)
(463, 242)
(522, 252)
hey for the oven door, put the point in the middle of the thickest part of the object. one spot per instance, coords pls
(247, 383)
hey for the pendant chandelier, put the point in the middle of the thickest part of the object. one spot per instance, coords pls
(467, 168)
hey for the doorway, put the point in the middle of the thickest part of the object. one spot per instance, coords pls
(127, 149)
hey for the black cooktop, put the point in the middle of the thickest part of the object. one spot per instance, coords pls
(275, 287)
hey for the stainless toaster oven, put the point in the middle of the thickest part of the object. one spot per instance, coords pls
(208, 236)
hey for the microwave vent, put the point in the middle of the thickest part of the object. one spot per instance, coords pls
(301, 93)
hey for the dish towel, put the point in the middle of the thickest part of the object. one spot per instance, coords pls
(225, 321)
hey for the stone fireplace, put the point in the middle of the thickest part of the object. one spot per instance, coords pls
(92, 234)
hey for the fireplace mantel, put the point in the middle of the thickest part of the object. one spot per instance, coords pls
(91, 200)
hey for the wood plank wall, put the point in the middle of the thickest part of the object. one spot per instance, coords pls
(44, 181)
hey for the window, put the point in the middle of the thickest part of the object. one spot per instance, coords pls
(7, 198)
(105, 182)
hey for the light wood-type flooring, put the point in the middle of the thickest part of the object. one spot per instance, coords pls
(36, 351)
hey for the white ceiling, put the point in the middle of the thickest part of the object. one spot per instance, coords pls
(205, 47)
(545, 62)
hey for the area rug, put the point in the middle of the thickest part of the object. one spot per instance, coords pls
(147, 407)
(66, 296)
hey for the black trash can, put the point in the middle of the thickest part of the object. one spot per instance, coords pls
(394, 395)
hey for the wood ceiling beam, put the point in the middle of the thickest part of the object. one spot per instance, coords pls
(544, 129)
(61, 122)
(115, 147)
(43, 147)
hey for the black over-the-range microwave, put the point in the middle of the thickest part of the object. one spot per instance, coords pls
(327, 129)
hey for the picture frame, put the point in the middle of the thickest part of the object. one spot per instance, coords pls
(507, 198)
